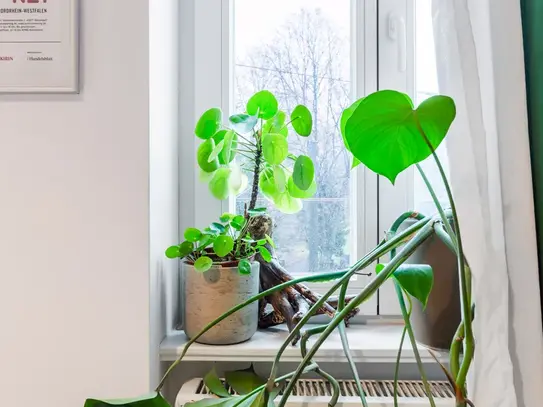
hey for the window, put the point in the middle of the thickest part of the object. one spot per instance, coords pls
(324, 54)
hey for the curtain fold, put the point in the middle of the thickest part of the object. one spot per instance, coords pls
(480, 64)
(532, 25)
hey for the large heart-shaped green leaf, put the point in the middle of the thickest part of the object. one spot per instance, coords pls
(302, 121)
(263, 104)
(416, 279)
(209, 123)
(383, 131)
(304, 172)
(274, 148)
(150, 400)
(346, 115)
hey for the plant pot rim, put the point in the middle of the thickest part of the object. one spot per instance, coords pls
(224, 264)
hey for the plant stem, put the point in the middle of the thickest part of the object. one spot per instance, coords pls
(256, 176)
(411, 335)
(397, 367)
(246, 139)
(421, 236)
(464, 285)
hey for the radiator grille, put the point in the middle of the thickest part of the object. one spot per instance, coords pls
(372, 388)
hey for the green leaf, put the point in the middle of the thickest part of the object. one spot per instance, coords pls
(265, 253)
(226, 217)
(261, 399)
(205, 177)
(216, 151)
(286, 203)
(237, 182)
(205, 150)
(244, 267)
(267, 184)
(192, 234)
(238, 222)
(302, 121)
(261, 242)
(150, 400)
(219, 185)
(203, 264)
(274, 148)
(185, 249)
(243, 123)
(235, 401)
(296, 192)
(217, 227)
(304, 172)
(416, 279)
(276, 124)
(346, 115)
(383, 131)
(213, 383)
(270, 241)
(280, 178)
(244, 381)
(223, 245)
(209, 123)
(263, 104)
(257, 211)
(229, 153)
(172, 252)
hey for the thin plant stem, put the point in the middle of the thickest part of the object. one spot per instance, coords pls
(397, 367)
(469, 346)
(246, 139)
(408, 327)
(424, 233)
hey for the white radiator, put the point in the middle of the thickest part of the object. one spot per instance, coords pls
(317, 393)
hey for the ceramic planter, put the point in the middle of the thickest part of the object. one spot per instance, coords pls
(209, 295)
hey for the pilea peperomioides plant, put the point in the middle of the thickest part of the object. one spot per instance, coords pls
(259, 138)
(387, 134)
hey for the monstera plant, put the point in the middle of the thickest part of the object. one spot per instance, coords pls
(384, 132)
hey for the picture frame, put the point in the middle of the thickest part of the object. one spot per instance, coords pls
(39, 46)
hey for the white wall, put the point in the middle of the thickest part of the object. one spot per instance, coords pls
(74, 223)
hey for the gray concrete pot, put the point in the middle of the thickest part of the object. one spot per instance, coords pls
(209, 295)
(436, 325)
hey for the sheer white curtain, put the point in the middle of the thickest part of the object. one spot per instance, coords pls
(480, 64)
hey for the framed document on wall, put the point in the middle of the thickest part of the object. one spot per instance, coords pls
(38, 46)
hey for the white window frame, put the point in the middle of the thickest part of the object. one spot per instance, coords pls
(206, 79)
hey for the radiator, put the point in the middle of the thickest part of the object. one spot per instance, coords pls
(317, 393)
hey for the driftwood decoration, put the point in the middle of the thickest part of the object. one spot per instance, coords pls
(288, 305)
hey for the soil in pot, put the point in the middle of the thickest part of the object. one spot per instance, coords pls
(209, 295)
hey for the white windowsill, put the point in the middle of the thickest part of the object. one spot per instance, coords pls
(372, 343)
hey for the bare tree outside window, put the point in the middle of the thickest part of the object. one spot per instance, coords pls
(307, 61)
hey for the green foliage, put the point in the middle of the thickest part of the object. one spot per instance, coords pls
(151, 400)
(227, 240)
(384, 130)
(302, 121)
(214, 384)
(416, 279)
(258, 135)
(244, 381)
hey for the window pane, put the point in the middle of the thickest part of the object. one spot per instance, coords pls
(300, 51)
(425, 86)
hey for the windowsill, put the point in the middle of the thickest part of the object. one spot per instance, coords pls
(371, 343)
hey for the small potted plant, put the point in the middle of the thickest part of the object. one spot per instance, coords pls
(220, 272)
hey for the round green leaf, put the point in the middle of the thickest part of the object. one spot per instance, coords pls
(209, 123)
(223, 245)
(226, 217)
(274, 148)
(219, 185)
(264, 104)
(203, 264)
(302, 121)
(230, 143)
(243, 123)
(244, 267)
(216, 151)
(280, 178)
(346, 115)
(296, 192)
(304, 172)
(265, 253)
(204, 152)
(276, 124)
(416, 279)
(185, 249)
(238, 222)
(172, 252)
(267, 184)
(286, 203)
(193, 235)
(383, 131)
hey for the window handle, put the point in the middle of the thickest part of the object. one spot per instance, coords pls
(397, 33)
